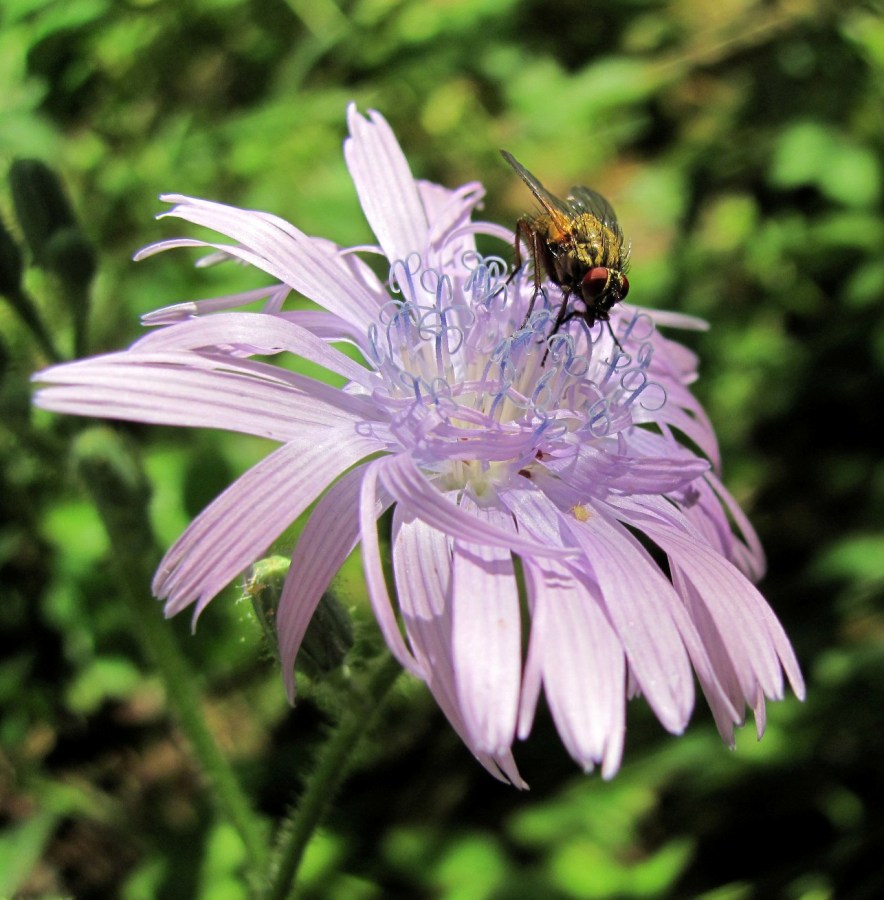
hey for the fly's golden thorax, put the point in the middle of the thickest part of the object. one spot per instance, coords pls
(594, 244)
(553, 229)
(590, 241)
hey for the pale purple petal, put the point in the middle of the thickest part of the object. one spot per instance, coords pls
(748, 554)
(422, 565)
(532, 671)
(385, 185)
(641, 603)
(674, 319)
(492, 229)
(261, 335)
(713, 677)
(237, 527)
(580, 658)
(487, 649)
(422, 561)
(357, 270)
(598, 472)
(275, 295)
(536, 515)
(754, 639)
(328, 326)
(696, 429)
(449, 212)
(285, 253)
(197, 391)
(759, 710)
(644, 609)
(725, 694)
(374, 571)
(329, 536)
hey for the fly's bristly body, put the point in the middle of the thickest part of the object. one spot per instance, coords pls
(578, 244)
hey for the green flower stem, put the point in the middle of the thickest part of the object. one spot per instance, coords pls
(77, 300)
(118, 486)
(332, 768)
(27, 312)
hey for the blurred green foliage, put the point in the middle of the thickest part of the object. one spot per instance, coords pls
(742, 144)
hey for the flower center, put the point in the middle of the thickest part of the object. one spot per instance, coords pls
(476, 396)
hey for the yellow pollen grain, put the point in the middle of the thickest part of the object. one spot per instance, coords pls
(581, 513)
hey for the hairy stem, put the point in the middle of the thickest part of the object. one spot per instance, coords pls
(331, 770)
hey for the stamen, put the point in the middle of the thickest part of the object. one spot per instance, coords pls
(463, 382)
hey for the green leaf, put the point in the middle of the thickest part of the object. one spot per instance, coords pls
(105, 678)
(813, 154)
(21, 846)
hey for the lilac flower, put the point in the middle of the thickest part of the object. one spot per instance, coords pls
(491, 440)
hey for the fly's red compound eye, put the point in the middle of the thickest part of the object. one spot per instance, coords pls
(624, 286)
(595, 281)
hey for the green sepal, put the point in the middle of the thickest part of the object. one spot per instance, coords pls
(329, 635)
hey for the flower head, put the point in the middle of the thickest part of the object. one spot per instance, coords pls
(493, 441)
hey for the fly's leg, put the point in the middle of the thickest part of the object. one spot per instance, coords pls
(563, 315)
(575, 314)
(525, 232)
(613, 336)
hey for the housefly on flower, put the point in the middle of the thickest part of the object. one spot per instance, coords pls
(579, 244)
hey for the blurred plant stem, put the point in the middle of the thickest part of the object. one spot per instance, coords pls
(332, 768)
(326, 27)
(76, 297)
(116, 481)
(734, 34)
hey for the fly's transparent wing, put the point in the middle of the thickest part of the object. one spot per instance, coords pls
(585, 200)
(553, 205)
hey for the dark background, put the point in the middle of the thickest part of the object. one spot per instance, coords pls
(741, 143)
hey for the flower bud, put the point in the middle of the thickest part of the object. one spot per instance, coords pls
(329, 635)
(40, 205)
